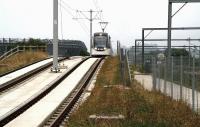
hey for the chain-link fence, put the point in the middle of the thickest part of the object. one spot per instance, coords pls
(124, 68)
(135, 58)
(178, 77)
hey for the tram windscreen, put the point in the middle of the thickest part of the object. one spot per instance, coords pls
(100, 41)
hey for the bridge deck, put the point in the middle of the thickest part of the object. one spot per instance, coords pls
(35, 115)
(18, 95)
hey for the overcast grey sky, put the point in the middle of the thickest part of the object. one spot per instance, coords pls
(33, 18)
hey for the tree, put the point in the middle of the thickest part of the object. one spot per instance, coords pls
(177, 52)
(35, 42)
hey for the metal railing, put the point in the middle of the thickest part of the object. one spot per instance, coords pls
(21, 49)
(10, 53)
(124, 68)
(128, 65)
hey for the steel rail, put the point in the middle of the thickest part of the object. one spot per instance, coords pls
(70, 101)
(27, 104)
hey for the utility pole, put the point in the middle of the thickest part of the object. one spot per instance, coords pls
(91, 19)
(55, 36)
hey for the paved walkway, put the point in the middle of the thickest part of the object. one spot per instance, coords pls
(147, 82)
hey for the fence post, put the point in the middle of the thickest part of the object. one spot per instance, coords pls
(172, 76)
(193, 83)
(17, 49)
(181, 85)
(197, 96)
(159, 87)
(154, 72)
(6, 48)
(122, 65)
(165, 76)
(129, 70)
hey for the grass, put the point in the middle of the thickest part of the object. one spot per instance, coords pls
(141, 108)
(20, 60)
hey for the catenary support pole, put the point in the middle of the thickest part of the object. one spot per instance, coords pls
(91, 19)
(55, 36)
(142, 49)
(169, 30)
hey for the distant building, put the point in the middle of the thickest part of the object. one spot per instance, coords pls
(66, 47)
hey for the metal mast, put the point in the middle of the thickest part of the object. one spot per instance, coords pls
(169, 32)
(55, 36)
(91, 18)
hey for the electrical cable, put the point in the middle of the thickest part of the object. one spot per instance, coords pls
(83, 15)
(80, 13)
(83, 26)
(69, 12)
(68, 5)
(95, 2)
(96, 5)
(97, 16)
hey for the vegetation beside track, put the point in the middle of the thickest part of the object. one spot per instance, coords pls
(19, 60)
(141, 108)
